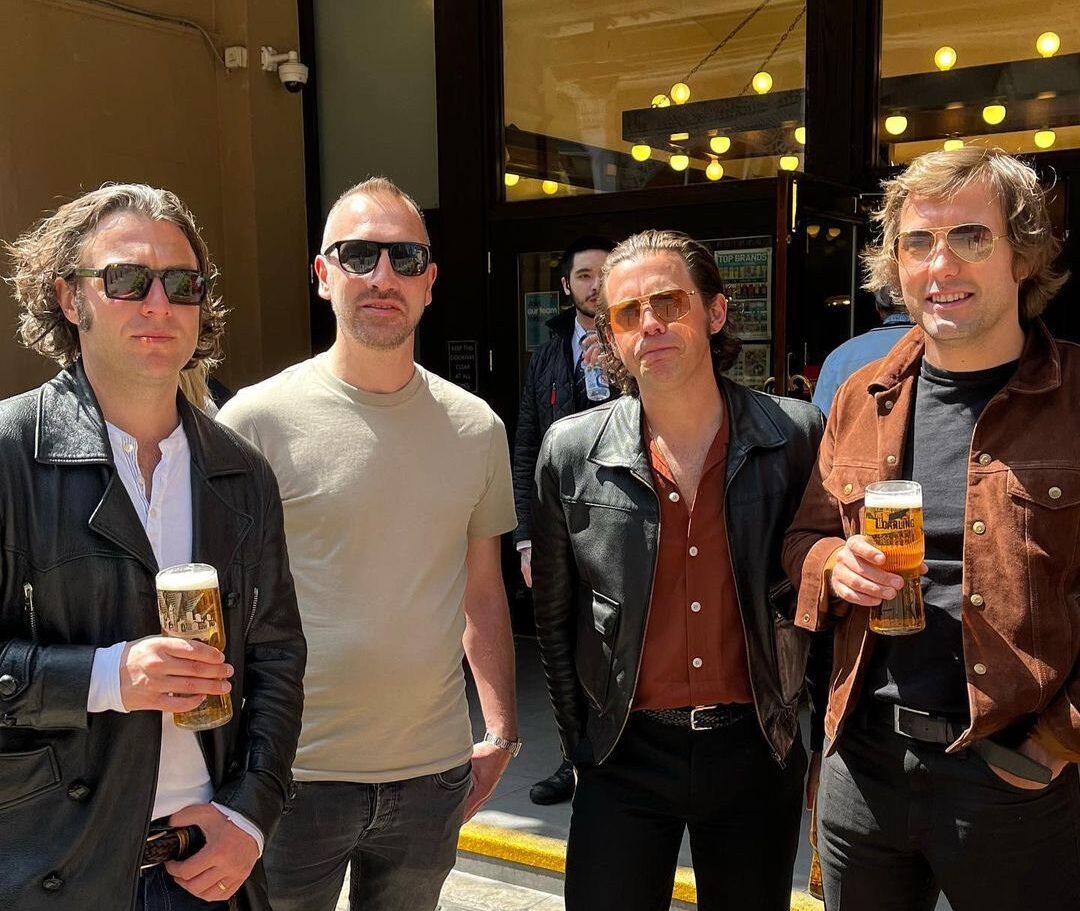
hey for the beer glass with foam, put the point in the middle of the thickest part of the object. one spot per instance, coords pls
(189, 605)
(892, 520)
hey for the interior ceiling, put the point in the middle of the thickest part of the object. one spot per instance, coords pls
(573, 66)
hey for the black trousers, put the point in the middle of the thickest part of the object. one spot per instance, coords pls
(900, 821)
(742, 809)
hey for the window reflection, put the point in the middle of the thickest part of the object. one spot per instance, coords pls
(606, 95)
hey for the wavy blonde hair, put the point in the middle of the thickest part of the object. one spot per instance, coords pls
(52, 248)
(1022, 199)
(725, 344)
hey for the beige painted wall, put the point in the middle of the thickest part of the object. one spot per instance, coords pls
(377, 95)
(89, 95)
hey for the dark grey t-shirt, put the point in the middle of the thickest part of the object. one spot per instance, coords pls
(926, 670)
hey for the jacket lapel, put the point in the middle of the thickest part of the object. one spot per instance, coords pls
(619, 443)
(115, 518)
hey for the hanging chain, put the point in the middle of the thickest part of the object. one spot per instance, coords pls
(783, 38)
(738, 28)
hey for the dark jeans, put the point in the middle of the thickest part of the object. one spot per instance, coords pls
(742, 809)
(400, 838)
(899, 821)
(160, 892)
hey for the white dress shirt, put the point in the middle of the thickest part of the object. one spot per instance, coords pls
(183, 778)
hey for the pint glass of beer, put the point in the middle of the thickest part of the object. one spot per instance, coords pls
(189, 606)
(893, 522)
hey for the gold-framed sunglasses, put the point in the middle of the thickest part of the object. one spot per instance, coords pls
(667, 306)
(973, 243)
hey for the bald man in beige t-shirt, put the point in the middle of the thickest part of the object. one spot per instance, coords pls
(396, 487)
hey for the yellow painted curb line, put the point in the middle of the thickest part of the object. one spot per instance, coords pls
(544, 853)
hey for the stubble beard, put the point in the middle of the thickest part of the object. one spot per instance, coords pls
(377, 338)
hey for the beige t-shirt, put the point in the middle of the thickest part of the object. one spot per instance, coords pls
(382, 494)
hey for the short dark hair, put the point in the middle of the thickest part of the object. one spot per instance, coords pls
(589, 242)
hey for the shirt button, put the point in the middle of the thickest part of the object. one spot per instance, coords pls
(673, 496)
(979, 668)
(697, 662)
(129, 446)
(847, 489)
(889, 405)
(976, 599)
(985, 459)
(891, 459)
(153, 513)
(1055, 493)
(978, 527)
(693, 551)
(805, 618)
(695, 607)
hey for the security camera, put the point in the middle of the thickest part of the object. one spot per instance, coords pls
(292, 73)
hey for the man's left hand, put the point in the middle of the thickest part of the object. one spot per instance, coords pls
(1033, 750)
(220, 868)
(488, 765)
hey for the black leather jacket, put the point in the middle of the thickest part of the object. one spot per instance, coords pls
(595, 539)
(77, 572)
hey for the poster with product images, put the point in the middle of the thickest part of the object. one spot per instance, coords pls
(747, 275)
(540, 306)
(752, 366)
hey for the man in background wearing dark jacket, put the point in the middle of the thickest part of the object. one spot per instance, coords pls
(554, 388)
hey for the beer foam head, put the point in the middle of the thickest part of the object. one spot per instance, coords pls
(187, 577)
(896, 494)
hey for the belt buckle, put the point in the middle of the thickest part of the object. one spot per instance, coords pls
(932, 728)
(693, 717)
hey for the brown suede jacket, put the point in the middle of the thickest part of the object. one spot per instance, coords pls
(1021, 589)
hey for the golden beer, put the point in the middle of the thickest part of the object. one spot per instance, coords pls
(892, 521)
(189, 605)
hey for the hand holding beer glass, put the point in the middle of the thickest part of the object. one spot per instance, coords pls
(189, 606)
(882, 568)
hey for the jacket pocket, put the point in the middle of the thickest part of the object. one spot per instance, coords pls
(792, 648)
(596, 648)
(847, 485)
(26, 775)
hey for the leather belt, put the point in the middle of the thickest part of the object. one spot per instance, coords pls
(171, 843)
(701, 717)
(928, 728)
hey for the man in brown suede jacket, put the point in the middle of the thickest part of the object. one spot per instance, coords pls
(949, 761)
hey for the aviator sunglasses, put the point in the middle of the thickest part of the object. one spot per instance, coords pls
(131, 282)
(971, 243)
(667, 306)
(360, 257)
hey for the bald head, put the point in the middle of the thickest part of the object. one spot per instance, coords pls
(376, 192)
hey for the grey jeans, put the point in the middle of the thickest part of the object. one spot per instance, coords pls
(400, 838)
(901, 821)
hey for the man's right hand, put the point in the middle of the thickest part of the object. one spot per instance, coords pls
(857, 576)
(167, 674)
(526, 565)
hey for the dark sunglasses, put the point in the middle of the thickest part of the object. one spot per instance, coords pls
(668, 307)
(131, 282)
(971, 243)
(360, 257)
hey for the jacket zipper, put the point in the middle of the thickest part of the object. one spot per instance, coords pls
(251, 616)
(645, 629)
(31, 613)
(742, 622)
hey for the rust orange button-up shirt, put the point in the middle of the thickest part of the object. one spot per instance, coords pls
(695, 647)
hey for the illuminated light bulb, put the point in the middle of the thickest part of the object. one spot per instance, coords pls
(714, 171)
(993, 114)
(762, 82)
(1045, 138)
(789, 162)
(813, 230)
(640, 152)
(680, 93)
(661, 101)
(800, 135)
(550, 187)
(896, 124)
(1048, 44)
(679, 162)
(719, 144)
(511, 180)
(833, 233)
(951, 145)
(945, 58)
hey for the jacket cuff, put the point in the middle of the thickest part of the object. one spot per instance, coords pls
(257, 795)
(812, 612)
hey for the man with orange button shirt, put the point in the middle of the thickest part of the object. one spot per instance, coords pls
(662, 611)
(948, 765)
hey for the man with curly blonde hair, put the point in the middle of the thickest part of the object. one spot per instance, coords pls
(949, 766)
(108, 474)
